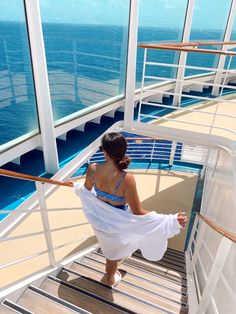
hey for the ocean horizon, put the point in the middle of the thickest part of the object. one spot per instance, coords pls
(86, 65)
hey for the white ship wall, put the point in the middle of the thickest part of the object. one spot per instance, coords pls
(218, 204)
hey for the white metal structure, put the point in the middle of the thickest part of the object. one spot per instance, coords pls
(42, 86)
(210, 259)
(185, 83)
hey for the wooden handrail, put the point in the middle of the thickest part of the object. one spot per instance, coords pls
(217, 228)
(183, 47)
(197, 43)
(8, 173)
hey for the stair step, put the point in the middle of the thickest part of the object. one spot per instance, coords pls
(13, 308)
(169, 256)
(39, 303)
(154, 278)
(166, 262)
(79, 297)
(161, 267)
(135, 288)
(143, 265)
(177, 253)
(7, 310)
(174, 292)
(173, 256)
(135, 301)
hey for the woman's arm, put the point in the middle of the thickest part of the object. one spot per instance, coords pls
(131, 195)
(132, 199)
(89, 177)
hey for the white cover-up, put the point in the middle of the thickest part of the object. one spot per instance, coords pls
(120, 232)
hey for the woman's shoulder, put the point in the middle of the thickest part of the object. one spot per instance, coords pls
(129, 179)
(94, 167)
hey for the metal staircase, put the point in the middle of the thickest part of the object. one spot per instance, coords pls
(146, 287)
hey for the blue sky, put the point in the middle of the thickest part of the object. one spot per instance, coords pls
(208, 14)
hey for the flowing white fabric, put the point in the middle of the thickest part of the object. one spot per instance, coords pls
(120, 232)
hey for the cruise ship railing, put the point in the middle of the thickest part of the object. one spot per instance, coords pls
(218, 119)
(159, 150)
(206, 266)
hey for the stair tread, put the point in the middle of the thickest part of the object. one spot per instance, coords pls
(39, 304)
(164, 280)
(173, 256)
(135, 291)
(78, 298)
(180, 263)
(166, 263)
(144, 266)
(138, 280)
(153, 267)
(7, 310)
(106, 292)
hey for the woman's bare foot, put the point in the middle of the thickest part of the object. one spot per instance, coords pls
(182, 219)
(113, 281)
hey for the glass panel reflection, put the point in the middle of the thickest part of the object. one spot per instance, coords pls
(18, 115)
(160, 21)
(207, 25)
(86, 47)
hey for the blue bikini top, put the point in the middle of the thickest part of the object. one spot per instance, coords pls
(111, 197)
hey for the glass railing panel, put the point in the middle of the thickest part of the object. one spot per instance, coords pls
(159, 22)
(86, 50)
(208, 24)
(18, 114)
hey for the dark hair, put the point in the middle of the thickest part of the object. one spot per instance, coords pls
(115, 145)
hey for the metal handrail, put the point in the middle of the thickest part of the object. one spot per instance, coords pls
(199, 43)
(183, 47)
(217, 228)
(14, 174)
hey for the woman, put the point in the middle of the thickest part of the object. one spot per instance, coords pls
(116, 187)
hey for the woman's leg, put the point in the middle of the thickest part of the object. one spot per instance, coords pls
(111, 269)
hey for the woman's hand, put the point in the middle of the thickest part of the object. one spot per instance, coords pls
(70, 182)
(182, 219)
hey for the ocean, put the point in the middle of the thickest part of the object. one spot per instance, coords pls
(86, 64)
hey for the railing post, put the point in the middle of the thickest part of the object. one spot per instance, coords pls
(228, 31)
(41, 82)
(45, 222)
(153, 149)
(189, 250)
(142, 83)
(75, 71)
(221, 93)
(183, 55)
(131, 65)
(203, 170)
(219, 262)
(172, 153)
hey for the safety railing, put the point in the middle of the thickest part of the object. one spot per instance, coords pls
(160, 151)
(51, 251)
(219, 119)
(206, 263)
(43, 210)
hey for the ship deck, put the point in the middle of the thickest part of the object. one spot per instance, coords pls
(160, 190)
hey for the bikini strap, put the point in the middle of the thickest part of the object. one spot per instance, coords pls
(119, 182)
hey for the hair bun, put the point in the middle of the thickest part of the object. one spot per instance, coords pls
(123, 163)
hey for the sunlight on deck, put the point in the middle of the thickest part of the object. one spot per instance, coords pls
(201, 117)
